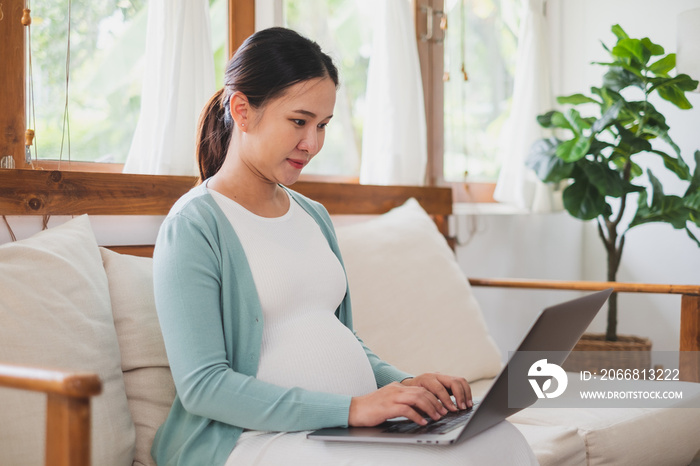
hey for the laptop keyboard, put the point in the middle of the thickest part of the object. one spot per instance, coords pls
(445, 424)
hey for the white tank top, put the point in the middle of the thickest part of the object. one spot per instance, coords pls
(300, 283)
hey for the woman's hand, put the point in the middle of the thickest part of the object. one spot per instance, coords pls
(442, 386)
(394, 400)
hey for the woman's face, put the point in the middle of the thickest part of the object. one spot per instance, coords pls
(281, 137)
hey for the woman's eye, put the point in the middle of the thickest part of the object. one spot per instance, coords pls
(322, 126)
(299, 122)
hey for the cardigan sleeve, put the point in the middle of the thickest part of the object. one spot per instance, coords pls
(187, 281)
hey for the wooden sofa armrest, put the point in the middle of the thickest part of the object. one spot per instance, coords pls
(68, 409)
(689, 345)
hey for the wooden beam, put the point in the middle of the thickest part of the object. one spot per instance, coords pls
(12, 116)
(68, 437)
(241, 22)
(64, 383)
(690, 338)
(586, 286)
(39, 192)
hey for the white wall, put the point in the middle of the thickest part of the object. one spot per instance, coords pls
(553, 246)
(518, 246)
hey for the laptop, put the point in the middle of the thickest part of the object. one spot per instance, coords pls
(556, 329)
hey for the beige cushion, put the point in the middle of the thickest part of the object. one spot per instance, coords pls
(555, 445)
(149, 384)
(634, 436)
(55, 313)
(411, 302)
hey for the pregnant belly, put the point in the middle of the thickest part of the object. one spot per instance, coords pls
(315, 352)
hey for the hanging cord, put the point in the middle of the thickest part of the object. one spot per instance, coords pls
(45, 221)
(31, 118)
(9, 228)
(462, 38)
(66, 120)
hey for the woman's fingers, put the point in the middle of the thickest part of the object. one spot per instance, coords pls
(394, 400)
(461, 391)
(442, 386)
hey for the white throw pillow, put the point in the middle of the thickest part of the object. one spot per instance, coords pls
(412, 304)
(149, 384)
(55, 313)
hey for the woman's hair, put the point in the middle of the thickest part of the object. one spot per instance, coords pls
(263, 67)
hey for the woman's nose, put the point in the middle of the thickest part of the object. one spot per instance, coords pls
(311, 143)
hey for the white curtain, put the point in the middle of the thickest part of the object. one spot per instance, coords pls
(394, 141)
(178, 81)
(532, 96)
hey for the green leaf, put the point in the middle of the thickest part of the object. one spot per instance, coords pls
(618, 78)
(663, 208)
(673, 89)
(578, 124)
(608, 117)
(619, 32)
(620, 161)
(692, 236)
(561, 121)
(664, 65)
(608, 182)
(654, 49)
(695, 180)
(676, 164)
(554, 119)
(631, 49)
(545, 120)
(573, 149)
(660, 129)
(676, 96)
(692, 202)
(630, 143)
(544, 161)
(576, 99)
(583, 200)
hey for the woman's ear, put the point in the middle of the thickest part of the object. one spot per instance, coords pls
(240, 108)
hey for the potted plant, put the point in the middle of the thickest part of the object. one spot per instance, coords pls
(595, 155)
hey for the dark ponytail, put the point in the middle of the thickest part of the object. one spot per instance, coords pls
(213, 136)
(263, 67)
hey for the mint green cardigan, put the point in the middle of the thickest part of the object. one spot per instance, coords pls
(212, 325)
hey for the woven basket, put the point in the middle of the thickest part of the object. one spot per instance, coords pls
(593, 353)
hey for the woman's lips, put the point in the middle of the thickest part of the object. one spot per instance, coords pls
(298, 164)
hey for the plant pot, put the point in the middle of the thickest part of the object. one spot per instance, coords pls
(593, 353)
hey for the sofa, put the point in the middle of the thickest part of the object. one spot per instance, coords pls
(83, 317)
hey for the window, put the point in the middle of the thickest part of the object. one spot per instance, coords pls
(343, 29)
(107, 43)
(480, 54)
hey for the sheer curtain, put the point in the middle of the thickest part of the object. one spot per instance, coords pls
(394, 140)
(532, 96)
(178, 81)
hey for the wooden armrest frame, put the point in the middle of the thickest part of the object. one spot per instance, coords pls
(67, 409)
(689, 363)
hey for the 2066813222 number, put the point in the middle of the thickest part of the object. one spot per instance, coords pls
(639, 374)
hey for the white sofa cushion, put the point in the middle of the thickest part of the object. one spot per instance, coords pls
(150, 389)
(411, 302)
(55, 312)
(634, 436)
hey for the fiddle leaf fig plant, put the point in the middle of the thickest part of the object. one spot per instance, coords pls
(596, 146)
